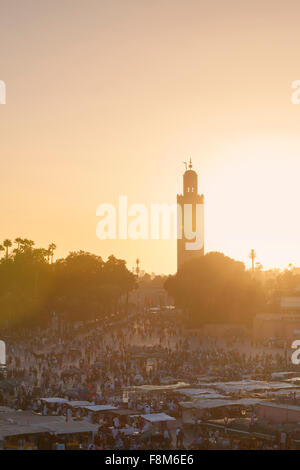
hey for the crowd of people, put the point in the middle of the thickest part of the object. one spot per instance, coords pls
(97, 362)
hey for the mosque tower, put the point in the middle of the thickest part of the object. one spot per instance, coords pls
(190, 200)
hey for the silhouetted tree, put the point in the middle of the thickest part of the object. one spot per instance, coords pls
(51, 248)
(215, 288)
(7, 244)
(80, 286)
(18, 242)
(86, 287)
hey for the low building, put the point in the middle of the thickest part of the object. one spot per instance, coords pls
(278, 413)
(284, 326)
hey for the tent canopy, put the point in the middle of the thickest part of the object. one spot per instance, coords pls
(54, 400)
(157, 417)
(97, 408)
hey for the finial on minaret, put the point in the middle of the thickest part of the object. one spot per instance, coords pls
(190, 165)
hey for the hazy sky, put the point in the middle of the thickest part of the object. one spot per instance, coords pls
(107, 98)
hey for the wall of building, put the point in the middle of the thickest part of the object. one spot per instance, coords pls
(276, 414)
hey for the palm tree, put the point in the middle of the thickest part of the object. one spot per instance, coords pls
(27, 243)
(2, 248)
(51, 249)
(19, 242)
(7, 244)
(252, 256)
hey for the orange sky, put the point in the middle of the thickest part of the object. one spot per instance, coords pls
(107, 98)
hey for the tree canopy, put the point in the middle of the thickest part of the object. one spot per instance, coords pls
(80, 286)
(215, 288)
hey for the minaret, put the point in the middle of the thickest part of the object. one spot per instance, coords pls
(190, 200)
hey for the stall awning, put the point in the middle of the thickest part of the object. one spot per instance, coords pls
(157, 417)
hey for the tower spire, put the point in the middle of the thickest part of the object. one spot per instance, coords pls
(192, 220)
